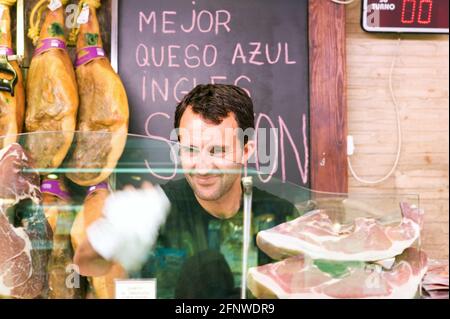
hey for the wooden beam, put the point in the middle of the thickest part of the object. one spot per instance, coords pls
(328, 108)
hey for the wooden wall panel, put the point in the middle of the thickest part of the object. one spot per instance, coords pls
(421, 85)
(328, 110)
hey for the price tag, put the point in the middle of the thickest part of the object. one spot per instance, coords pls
(55, 4)
(136, 289)
(83, 18)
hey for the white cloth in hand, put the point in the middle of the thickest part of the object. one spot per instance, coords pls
(130, 225)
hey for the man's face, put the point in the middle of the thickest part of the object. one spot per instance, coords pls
(211, 155)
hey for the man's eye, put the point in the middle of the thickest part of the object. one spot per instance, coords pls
(190, 150)
(218, 150)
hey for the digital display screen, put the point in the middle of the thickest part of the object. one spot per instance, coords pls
(413, 16)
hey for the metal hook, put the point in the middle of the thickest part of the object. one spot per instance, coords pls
(8, 85)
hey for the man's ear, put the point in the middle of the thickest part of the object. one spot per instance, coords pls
(249, 150)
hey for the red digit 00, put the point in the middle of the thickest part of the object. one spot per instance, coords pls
(428, 4)
(409, 11)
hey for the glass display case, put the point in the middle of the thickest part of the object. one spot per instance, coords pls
(264, 238)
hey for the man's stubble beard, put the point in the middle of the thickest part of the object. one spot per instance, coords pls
(225, 186)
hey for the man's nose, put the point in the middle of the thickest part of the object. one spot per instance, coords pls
(204, 164)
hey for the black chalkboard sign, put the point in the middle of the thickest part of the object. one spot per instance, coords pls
(166, 47)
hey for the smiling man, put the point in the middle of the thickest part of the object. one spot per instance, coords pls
(188, 233)
(210, 122)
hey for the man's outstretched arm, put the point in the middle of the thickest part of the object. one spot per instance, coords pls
(125, 233)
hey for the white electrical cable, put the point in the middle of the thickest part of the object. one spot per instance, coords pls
(399, 128)
(343, 1)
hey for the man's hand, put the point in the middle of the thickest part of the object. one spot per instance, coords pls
(126, 232)
(90, 263)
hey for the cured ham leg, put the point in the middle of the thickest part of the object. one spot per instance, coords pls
(92, 210)
(52, 94)
(317, 236)
(64, 282)
(25, 248)
(18, 180)
(103, 108)
(12, 93)
(300, 278)
(56, 199)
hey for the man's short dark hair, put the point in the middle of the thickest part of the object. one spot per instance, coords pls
(215, 102)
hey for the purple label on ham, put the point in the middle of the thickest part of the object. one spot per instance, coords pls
(88, 54)
(49, 44)
(6, 51)
(92, 189)
(53, 187)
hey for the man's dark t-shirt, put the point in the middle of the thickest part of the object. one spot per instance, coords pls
(198, 255)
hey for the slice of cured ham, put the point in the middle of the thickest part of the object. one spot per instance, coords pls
(366, 239)
(301, 278)
(25, 248)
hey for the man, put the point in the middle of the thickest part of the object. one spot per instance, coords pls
(197, 252)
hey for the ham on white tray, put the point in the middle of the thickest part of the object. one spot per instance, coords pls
(366, 239)
(435, 281)
(303, 278)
